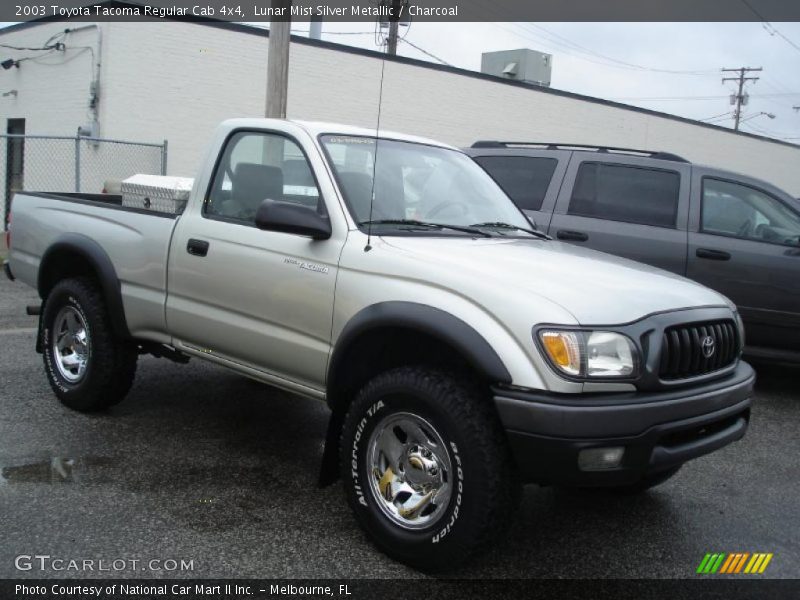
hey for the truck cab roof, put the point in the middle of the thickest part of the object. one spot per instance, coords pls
(316, 128)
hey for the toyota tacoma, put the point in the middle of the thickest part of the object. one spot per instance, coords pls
(461, 351)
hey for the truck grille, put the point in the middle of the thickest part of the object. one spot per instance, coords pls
(697, 349)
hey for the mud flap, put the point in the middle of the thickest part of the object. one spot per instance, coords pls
(39, 345)
(329, 466)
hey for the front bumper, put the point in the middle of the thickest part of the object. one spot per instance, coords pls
(658, 430)
(7, 270)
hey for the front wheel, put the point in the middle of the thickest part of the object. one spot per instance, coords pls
(426, 467)
(87, 367)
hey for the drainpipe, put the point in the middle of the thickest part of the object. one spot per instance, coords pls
(94, 87)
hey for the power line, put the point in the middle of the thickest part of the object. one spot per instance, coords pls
(769, 27)
(425, 52)
(568, 48)
(336, 32)
(772, 134)
(589, 51)
(715, 117)
(715, 97)
(24, 49)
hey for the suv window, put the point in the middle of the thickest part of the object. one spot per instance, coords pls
(742, 211)
(626, 193)
(524, 178)
(259, 166)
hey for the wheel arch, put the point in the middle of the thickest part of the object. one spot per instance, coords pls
(376, 339)
(76, 255)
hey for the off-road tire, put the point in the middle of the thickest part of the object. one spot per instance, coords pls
(111, 363)
(485, 489)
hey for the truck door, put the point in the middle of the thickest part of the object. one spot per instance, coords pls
(259, 299)
(744, 241)
(626, 205)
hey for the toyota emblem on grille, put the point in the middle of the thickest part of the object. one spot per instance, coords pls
(709, 345)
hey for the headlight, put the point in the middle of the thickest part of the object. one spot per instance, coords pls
(590, 354)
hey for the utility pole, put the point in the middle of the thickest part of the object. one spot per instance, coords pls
(740, 97)
(394, 26)
(278, 60)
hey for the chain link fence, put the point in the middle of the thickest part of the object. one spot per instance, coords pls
(41, 163)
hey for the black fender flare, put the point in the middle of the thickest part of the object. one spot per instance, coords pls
(408, 315)
(101, 265)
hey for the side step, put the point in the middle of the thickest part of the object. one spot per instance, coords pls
(164, 351)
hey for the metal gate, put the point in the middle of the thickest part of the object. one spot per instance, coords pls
(49, 163)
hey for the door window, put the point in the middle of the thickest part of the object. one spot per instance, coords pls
(255, 167)
(742, 211)
(626, 193)
(524, 178)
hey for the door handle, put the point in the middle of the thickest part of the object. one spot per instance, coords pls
(713, 254)
(575, 236)
(197, 247)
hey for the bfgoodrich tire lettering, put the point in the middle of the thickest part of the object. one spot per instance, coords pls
(110, 364)
(400, 513)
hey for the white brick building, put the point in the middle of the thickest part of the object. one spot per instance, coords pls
(176, 80)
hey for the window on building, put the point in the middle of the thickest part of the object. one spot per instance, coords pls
(745, 212)
(625, 193)
(524, 178)
(258, 166)
(15, 163)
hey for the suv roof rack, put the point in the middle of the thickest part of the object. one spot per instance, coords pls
(582, 147)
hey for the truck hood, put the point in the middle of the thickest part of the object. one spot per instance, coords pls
(596, 288)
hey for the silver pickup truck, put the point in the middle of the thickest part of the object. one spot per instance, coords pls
(461, 352)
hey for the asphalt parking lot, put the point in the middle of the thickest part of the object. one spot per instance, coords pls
(201, 465)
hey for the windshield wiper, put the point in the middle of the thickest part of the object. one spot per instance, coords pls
(500, 225)
(415, 223)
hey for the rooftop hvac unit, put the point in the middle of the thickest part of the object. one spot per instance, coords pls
(525, 65)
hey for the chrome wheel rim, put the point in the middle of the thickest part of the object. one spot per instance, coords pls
(409, 470)
(71, 344)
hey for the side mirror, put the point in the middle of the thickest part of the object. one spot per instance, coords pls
(288, 217)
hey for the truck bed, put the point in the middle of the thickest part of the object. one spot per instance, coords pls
(135, 240)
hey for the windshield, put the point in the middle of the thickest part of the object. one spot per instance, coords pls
(416, 182)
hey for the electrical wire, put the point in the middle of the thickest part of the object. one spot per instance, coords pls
(335, 32)
(669, 98)
(769, 27)
(584, 49)
(425, 52)
(568, 47)
(772, 134)
(24, 49)
(715, 117)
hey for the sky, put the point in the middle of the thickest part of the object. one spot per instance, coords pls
(669, 67)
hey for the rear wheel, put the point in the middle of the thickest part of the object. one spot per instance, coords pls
(87, 367)
(426, 468)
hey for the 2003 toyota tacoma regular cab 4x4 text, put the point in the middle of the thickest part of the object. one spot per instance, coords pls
(461, 352)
